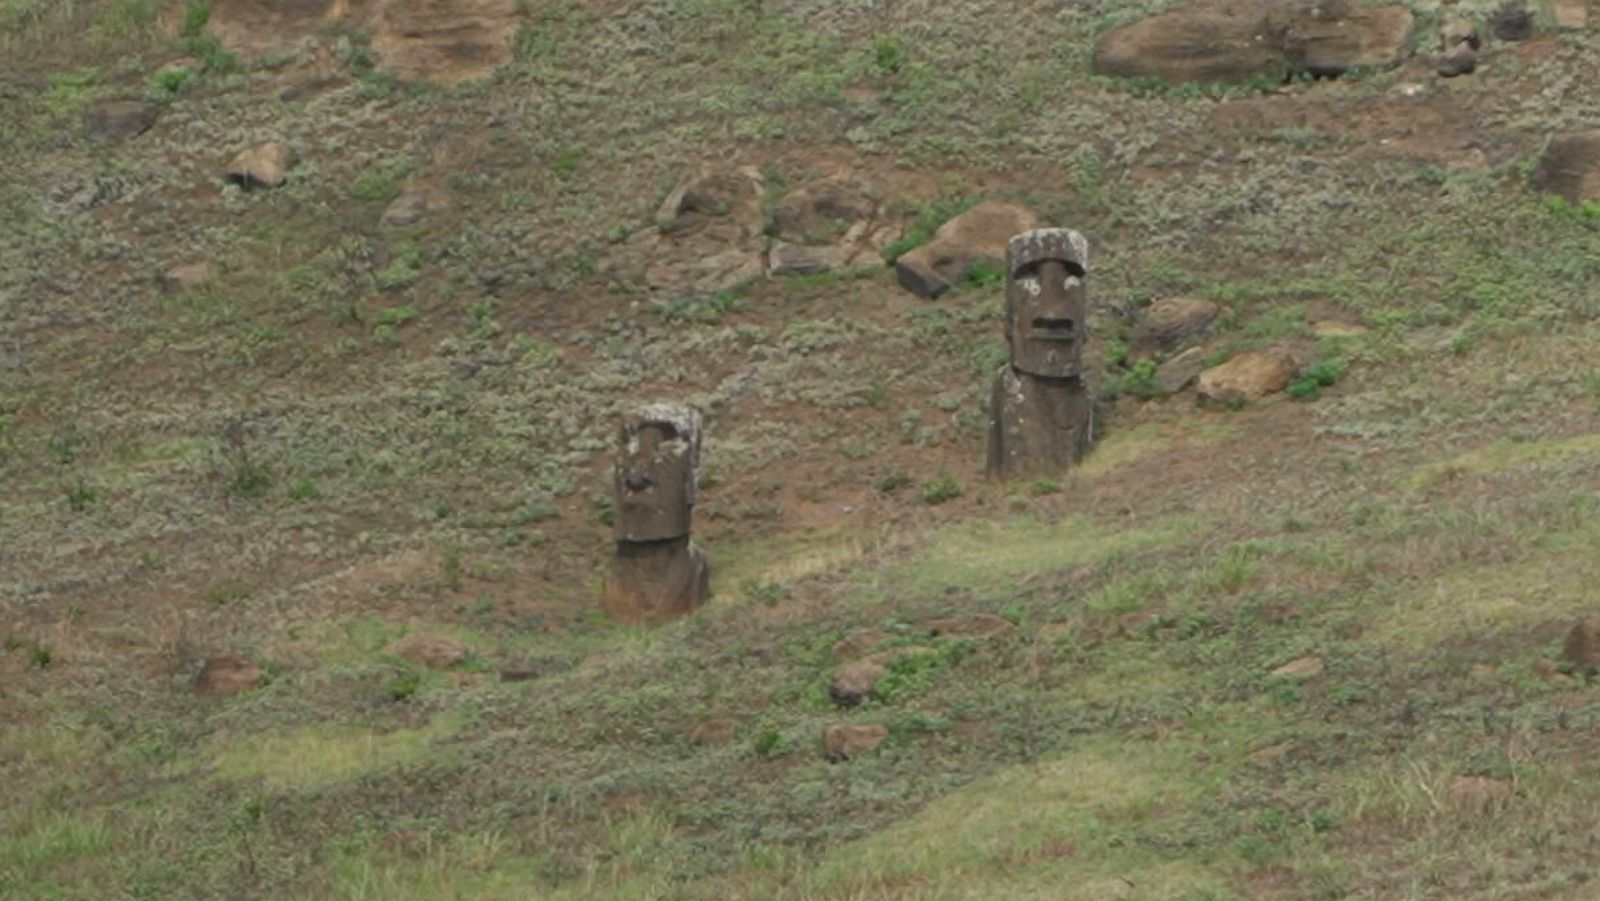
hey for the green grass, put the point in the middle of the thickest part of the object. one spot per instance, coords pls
(321, 755)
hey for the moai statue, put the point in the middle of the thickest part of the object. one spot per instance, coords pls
(658, 572)
(1041, 415)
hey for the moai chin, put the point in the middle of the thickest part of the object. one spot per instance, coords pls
(1041, 416)
(658, 573)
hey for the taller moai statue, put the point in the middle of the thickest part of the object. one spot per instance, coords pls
(1041, 417)
(658, 572)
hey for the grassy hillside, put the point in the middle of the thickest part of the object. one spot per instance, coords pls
(353, 433)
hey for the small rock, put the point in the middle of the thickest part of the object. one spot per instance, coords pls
(406, 209)
(1177, 373)
(1303, 668)
(226, 674)
(976, 625)
(979, 235)
(1512, 22)
(854, 683)
(1571, 15)
(432, 651)
(842, 741)
(188, 277)
(1480, 794)
(1581, 652)
(853, 646)
(115, 120)
(1248, 376)
(1410, 89)
(1169, 321)
(796, 259)
(262, 166)
(1461, 60)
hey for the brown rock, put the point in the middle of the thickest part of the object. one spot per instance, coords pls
(714, 731)
(448, 41)
(262, 166)
(713, 194)
(226, 674)
(1581, 652)
(1248, 376)
(1303, 668)
(796, 259)
(1457, 30)
(1212, 41)
(1168, 322)
(842, 741)
(432, 651)
(1177, 373)
(115, 120)
(1570, 167)
(975, 625)
(1480, 794)
(853, 646)
(1330, 37)
(1570, 15)
(854, 683)
(978, 235)
(1333, 328)
(188, 277)
(823, 211)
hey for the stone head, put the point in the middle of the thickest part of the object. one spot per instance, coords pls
(1047, 301)
(654, 477)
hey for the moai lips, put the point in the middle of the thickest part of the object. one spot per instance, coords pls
(1041, 414)
(657, 573)
(1047, 301)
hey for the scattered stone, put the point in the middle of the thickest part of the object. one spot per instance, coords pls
(799, 259)
(431, 651)
(707, 237)
(1581, 652)
(262, 166)
(975, 625)
(1179, 372)
(715, 731)
(1303, 668)
(1480, 794)
(979, 235)
(115, 120)
(842, 741)
(1330, 37)
(226, 674)
(185, 278)
(1458, 30)
(1512, 22)
(713, 194)
(1246, 377)
(410, 207)
(854, 683)
(1570, 167)
(855, 645)
(1168, 322)
(1571, 15)
(1461, 60)
(824, 211)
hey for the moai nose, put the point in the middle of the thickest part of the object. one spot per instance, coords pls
(636, 482)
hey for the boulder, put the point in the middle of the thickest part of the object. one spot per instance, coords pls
(714, 196)
(979, 235)
(226, 674)
(1248, 376)
(1581, 652)
(823, 211)
(1177, 373)
(115, 120)
(1513, 21)
(1330, 37)
(974, 625)
(187, 277)
(1168, 322)
(1460, 60)
(854, 683)
(262, 166)
(1570, 167)
(842, 741)
(431, 651)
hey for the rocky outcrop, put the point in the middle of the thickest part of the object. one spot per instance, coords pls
(1220, 41)
(1168, 322)
(979, 235)
(1248, 376)
(116, 120)
(707, 236)
(826, 225)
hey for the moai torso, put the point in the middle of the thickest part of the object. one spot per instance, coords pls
(657, 572)
(1040, 414)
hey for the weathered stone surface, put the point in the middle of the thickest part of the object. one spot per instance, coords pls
(1456, 30)
(1037, 426)
(1581, 651)
(262, 166)
(1178, 373)
(1513, 21)
(823, 211)
(431, 651)
(975, 625)
(1301, 668)
(1047, 302)
(854, 683)
(1337, 328)
(1248, 376)
(1570, 15)
(656, 473)
(1168, 322)
(1235, 40)
(447, 41)
(226, 674)
(656, 580)
(799, 259)
(707, 237)
(412, 205)
(842, 741)
(715, 196)
(1460, 60)
(187, 277)
(115, 120)
(981, 234)
(1570, 167)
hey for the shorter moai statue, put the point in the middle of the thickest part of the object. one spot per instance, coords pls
(1041, 418)
(658, 573)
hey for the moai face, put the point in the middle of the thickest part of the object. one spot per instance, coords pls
(654, 476)
(1047, 302)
